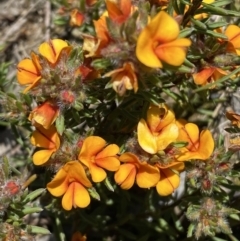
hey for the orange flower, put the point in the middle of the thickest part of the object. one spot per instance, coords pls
(159, 42)
(77, 18)
(29, 72)
(208, 75)
(124, 78)
(77, 236)
(146, 175)
(71, 182)
(158, 131)
(119, 11)
(233, 34)
(102, 35)
(52, 50)
(45, 114)
(200, 145)
(97, 157)
(48, 139)
(170, 179)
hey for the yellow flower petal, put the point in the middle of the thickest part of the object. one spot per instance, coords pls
(158, 117)
(147, 176)
(52, 49)
(145, 138)
(128, 157)
(206, 146)
(110, 150)
(125, 176)
(45, 138)
(41, 157)
(173, 53)
(68, 197)
(233, 34)
(108, 163)
(45, 114)
(163, 29)
(190, 133)
(168, 183)
(81, 196)
(92, 145)
(75, 170)
(97, 173)
(202, 77)
(168, 135)
(59, 185)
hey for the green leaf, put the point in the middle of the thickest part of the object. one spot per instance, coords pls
(30, 210)
(108, 184)
(190, 230)
(93, 193)
(216, 25)
(31, 196)
(5, 167)
(37, 230)
(60, 124)
(199, 24)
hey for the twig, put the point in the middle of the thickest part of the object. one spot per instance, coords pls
(47, 21)
(13, 32)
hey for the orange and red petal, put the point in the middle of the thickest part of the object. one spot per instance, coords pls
(201, 78)
(27, 72)
(45, 114)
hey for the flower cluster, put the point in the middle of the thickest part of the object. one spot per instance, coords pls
(102, 110)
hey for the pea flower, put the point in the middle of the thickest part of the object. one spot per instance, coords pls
(45, 114)
(76, 18)
(158, 42)
(48, 140)
(29, 72)
(119, 11)
(169, 178)
(71, 182)
(124, 78)
(158, 130)
(233, 34)
(97, 156)
(146, 176)
(208, 75)
(52, 50)
(200, 145)
(77, 236)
